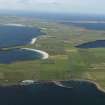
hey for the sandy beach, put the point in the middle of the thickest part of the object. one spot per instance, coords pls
(33, 41)
(13, 24)
(44, 54)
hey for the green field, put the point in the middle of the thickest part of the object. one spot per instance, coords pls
(65, 60)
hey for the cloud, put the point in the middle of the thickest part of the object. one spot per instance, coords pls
(54, 5)
(31, 5)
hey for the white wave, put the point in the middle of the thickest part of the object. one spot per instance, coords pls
(44, 54)
(58, 83)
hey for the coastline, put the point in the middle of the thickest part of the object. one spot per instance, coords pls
(59, 83)
(97, 85)
(44, 54)
(33, 41)
(13, 24)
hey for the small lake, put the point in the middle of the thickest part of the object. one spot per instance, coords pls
(78, 93)
(93, 44)
(90, 26)
(17, 35)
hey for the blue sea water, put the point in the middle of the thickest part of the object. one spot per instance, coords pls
(15, 55)
(93, 44)
(90, 26)
(11, 36)
(81, 93)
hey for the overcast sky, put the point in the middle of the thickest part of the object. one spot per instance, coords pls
(74, 6)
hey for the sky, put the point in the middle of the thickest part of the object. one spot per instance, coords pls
(66, 6)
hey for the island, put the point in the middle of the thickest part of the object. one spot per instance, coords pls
(64, 60)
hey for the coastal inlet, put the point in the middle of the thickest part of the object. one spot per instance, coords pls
(13, 35)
